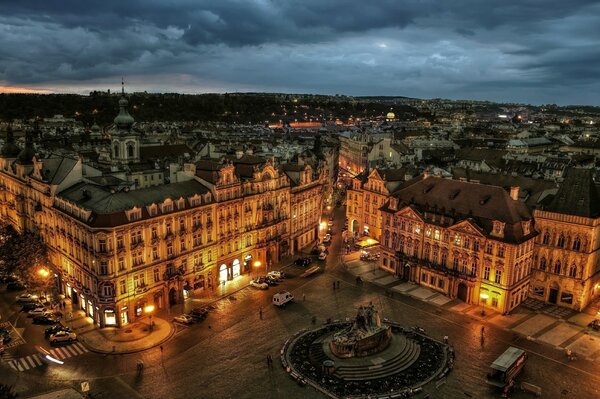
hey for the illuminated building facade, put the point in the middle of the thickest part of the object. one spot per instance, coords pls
(566, 270)
(116, 250)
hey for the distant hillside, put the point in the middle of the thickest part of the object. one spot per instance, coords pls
(241, 108)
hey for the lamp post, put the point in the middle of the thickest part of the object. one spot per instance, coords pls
(148, 310)
(44, 273)
(484, 298)
(257, 265)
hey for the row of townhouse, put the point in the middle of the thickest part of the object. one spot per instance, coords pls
(116, 251)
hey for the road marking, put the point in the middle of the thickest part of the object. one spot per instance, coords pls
(59, 353)
(13, 364)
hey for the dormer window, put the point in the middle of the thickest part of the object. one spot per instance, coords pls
(498, 228)
(167, 206)
(134, 214)
(526, 227)
(153, 210)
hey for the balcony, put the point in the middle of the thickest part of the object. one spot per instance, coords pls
(140, 289)
(136, 244)
(172, 274)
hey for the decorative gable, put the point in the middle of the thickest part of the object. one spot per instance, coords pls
(467, 227)
(409, 213)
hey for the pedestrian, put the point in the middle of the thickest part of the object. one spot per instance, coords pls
(260, 312)
(304, 297)
(445, 339)
(338, 284)
(482, 330)
(334, 285)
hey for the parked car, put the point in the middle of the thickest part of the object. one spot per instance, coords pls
(54, 329)
(276, 274)
(31, 306)
(595, 324)
(258, 284)
(303, 261)
(330, 222)
(282, 298)
(37, 312)
(322, 256)
(184, 319)
(5, 335)
(45, 319)
(327, 238)
(63, 336)
(27, 298)
(199, 313)
(270, 280)
(330, 230)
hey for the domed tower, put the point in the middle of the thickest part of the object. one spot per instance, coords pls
(125, 141)
(95, 133)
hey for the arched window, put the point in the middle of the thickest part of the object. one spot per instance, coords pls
(474, 268)
(401, 244)
(557, 267)
(386, 239)
(546, 238)
(573, 270)
(394, 238)
(543, 264)
(130, 150)
(561, 241)
(116, 150)
(576, 244)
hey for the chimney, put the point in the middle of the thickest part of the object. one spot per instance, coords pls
(514, 193)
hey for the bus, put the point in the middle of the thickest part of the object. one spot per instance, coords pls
(506, 368)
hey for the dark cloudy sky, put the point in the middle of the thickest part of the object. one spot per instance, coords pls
(533, 51)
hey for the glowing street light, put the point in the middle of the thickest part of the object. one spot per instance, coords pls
(148, 310)
(257, 265)
(43, 272)
(484, 298)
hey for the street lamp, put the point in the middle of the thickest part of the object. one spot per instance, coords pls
(44, 273)
(257, 264)
(484, 298)
(148, 310)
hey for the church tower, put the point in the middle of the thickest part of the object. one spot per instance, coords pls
(125, 141)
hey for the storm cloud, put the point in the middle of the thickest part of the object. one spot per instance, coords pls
(523, 51)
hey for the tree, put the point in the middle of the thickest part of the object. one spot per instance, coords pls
(24, 255)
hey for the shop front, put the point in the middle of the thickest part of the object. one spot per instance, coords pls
(110, 317)
(236, 268)
(247, 263)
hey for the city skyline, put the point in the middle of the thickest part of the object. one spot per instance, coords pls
(522, 52)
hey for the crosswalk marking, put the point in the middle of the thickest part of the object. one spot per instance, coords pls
(32, 361)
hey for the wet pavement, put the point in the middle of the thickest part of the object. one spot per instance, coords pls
(224, 356)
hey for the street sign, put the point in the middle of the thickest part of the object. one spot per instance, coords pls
(85, 386)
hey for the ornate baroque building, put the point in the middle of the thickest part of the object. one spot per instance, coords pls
(465, 239)
(116, 250)
(566, 270)
(468, 241)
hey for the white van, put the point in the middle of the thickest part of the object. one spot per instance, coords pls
(282, 297)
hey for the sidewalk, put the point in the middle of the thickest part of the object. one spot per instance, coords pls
(133, 337)
(553, 325)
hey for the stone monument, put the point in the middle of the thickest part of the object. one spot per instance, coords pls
(364, 337)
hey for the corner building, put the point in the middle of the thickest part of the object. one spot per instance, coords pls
(566, 270)
(468, 241)
(116, 249)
